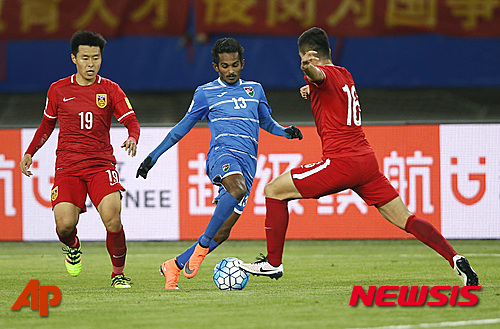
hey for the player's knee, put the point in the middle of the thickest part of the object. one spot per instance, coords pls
(270, 190)
(239, 192)
(64, 229)
(112, 224)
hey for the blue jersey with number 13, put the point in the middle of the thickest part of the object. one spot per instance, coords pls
(233, 113)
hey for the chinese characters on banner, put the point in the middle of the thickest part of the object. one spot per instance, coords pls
(447, 174)
(60, 18)
(39, 19)
(416, 162)
(350, 17)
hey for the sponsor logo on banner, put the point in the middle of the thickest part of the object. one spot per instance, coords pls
(145, 200)
(410, 163)
(470, 187)
(445, 174)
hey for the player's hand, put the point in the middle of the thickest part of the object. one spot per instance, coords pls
(294, 132)
(308, 59)
(145, 166)
(304, 92)
(26, 164)
(130, 146)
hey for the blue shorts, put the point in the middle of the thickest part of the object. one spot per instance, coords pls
(221, 164)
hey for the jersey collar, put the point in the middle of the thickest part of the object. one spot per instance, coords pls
(73, 79)
(222, 83)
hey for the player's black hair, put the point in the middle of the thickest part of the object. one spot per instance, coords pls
(226, 45)
(86, 38)
(315, 39)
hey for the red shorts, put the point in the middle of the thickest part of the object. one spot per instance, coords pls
(97, 182)
(358, 173)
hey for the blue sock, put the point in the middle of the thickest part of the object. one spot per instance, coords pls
(184, 257)
(223, 210)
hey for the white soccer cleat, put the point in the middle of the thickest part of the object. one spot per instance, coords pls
(463, 269)
(262, 268)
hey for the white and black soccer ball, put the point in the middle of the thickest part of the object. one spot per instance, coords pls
(229, 276)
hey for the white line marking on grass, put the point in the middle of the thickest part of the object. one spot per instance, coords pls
(439, 324)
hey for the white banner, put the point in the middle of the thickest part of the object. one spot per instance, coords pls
(150, 208)
(470, 181)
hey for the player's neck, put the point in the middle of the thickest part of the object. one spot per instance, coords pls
(84, 82)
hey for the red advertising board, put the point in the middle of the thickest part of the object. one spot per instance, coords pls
(410, 160)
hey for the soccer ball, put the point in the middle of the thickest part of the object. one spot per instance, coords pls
(229, 276)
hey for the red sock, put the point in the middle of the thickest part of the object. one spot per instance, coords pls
(276, 224)
(69, 240)
(117, 249)
(427, 233)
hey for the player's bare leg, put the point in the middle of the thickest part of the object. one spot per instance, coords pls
(66, 216)
(224, 231)
(397, 213)
(109, 208)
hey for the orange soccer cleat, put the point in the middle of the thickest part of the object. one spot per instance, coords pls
(171, 272)
(193, 264)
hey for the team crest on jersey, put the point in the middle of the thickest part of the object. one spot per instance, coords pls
(101, 100)
(55, 193)
(225, 168)
(249, 91)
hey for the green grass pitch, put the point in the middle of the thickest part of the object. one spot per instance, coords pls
(313, 293)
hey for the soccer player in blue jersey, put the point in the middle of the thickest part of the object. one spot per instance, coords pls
(234, 109)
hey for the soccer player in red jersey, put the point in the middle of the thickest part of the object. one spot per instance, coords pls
(84, 103)
(348, 162)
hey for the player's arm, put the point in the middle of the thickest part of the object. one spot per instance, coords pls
(313, 73)
(134, 131)
(41, 135)
(271, 126)
(175, 135)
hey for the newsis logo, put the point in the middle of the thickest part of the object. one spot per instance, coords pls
(415, 296)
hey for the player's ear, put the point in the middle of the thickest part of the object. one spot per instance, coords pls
(242, 64)
(216, 68)
(73, 58)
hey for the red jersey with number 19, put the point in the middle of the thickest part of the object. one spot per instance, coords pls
(337, 114)
(84, 114)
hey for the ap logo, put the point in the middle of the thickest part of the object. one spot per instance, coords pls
(36, 303)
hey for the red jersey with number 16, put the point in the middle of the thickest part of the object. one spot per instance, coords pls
(336, 111)
(84, 114)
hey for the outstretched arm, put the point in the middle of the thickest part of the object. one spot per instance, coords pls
(270, 125)
(175, 135)
(312, 72)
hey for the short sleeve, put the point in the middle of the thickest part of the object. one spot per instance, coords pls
(122, 107)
